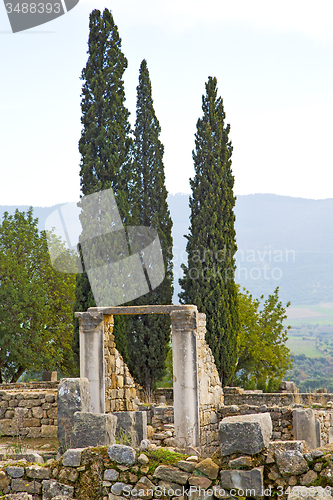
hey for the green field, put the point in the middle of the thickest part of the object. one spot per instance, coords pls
(298, 345)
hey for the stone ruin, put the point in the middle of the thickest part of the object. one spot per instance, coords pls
(197, 389)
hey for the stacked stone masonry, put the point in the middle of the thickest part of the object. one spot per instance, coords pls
(31, 413)
(120, 390)
(210, 392)
(279, 470)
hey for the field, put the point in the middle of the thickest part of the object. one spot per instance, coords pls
(298, 345)
(318, 314)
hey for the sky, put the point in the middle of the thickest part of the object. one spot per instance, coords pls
(272, 61)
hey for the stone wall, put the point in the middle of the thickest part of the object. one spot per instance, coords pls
(210, 392)
(282, 418)
(120, 390)
(120, 472)
(237, 396)
(28, 413)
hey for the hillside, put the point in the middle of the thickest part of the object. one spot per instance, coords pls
(282, 241)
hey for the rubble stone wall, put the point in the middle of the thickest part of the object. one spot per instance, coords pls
(119, 385)
(28, 413)
(210, 392)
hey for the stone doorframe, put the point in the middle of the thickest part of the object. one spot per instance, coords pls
(184, 322)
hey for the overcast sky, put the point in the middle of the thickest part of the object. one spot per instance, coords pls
(273, 62)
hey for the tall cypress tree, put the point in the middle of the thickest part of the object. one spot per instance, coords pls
(150, 335)
(208, 280)
(106, 146)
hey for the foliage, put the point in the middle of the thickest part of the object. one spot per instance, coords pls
(150, 334)
(106, 146)
(263, 357)
(35, 301)
(208, 280)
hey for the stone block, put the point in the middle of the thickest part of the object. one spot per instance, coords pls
(49, 431)
(208, 468)
(6, 427)
(4, 480)
(171, 474)
(122, 454)
(37, 472)
(73, 396)
(132, 425)
(111, 475)
(304, 427)
(245, 433)
(72, 457)
(250, 481)
(27, 486)
(15, 471)
(93, 429)
(52, 488)
(290, 462)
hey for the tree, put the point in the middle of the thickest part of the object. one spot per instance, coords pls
(150, 335)
(36, 324)
(263, 357)
(208, 280)
(106, 146)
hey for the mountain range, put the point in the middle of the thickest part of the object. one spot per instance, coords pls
(282, 241)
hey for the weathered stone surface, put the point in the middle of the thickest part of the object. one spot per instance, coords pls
(133, 424)
(52, 488)
(27, 486)
(18, 496)
(312, 493)
(4, 480)
(111, 475)
(290, 462)
(73, 395)
(122, 454)
(245, 433)
(305, 427)
(37, 472)
(308, 478)
(72, 457)
(93, 429)
(328, 474)
(145, 488)
(144, 445)
(186, 466)
(240, 462)
(143, 459)
(15, 471)
(208, 468)
(199, 481)
(279, 446)
(117, 488)
(171, 474)
(244, 480)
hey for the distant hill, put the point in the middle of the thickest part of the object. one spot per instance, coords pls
(282, 241)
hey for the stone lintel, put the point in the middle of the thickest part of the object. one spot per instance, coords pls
(159, 309)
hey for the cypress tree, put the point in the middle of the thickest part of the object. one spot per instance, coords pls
(208, 280)
(106, 146)
(150, 334)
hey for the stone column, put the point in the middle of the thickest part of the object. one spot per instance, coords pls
(92, 365)
(185, 376)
